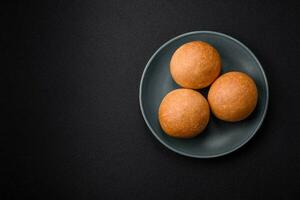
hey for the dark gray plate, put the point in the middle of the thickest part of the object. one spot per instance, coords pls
(219, 138)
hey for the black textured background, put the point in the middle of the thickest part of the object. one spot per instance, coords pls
(76, 131)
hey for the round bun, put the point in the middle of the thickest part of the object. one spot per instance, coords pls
(233, 96)
(183, 113)
(195, 65)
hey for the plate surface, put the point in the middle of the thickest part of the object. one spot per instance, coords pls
(219, 138)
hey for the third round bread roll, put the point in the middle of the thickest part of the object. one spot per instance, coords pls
(195, 65)
(233, 96)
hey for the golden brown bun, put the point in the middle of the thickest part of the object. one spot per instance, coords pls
(183, 113)
(195, 65)
(233, 96)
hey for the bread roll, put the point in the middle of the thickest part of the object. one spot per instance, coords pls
(233, 96)
(183, 113)
(195, 65)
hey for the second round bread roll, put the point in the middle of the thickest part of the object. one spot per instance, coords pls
(195, 65)
(183, 113)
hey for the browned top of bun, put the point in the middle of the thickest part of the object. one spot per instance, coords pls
(195, 65)
(183, 113)
(233, 96)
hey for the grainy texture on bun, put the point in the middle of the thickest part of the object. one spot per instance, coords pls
(183, 113)
(233, 96)
(195, 65)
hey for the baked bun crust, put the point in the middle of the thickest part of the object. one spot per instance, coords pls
(183, 113)
(195, 65)
(233, 96)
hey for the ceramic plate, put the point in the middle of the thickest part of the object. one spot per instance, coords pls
(219, 138)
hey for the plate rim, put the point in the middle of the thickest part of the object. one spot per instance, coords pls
(194, 155)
